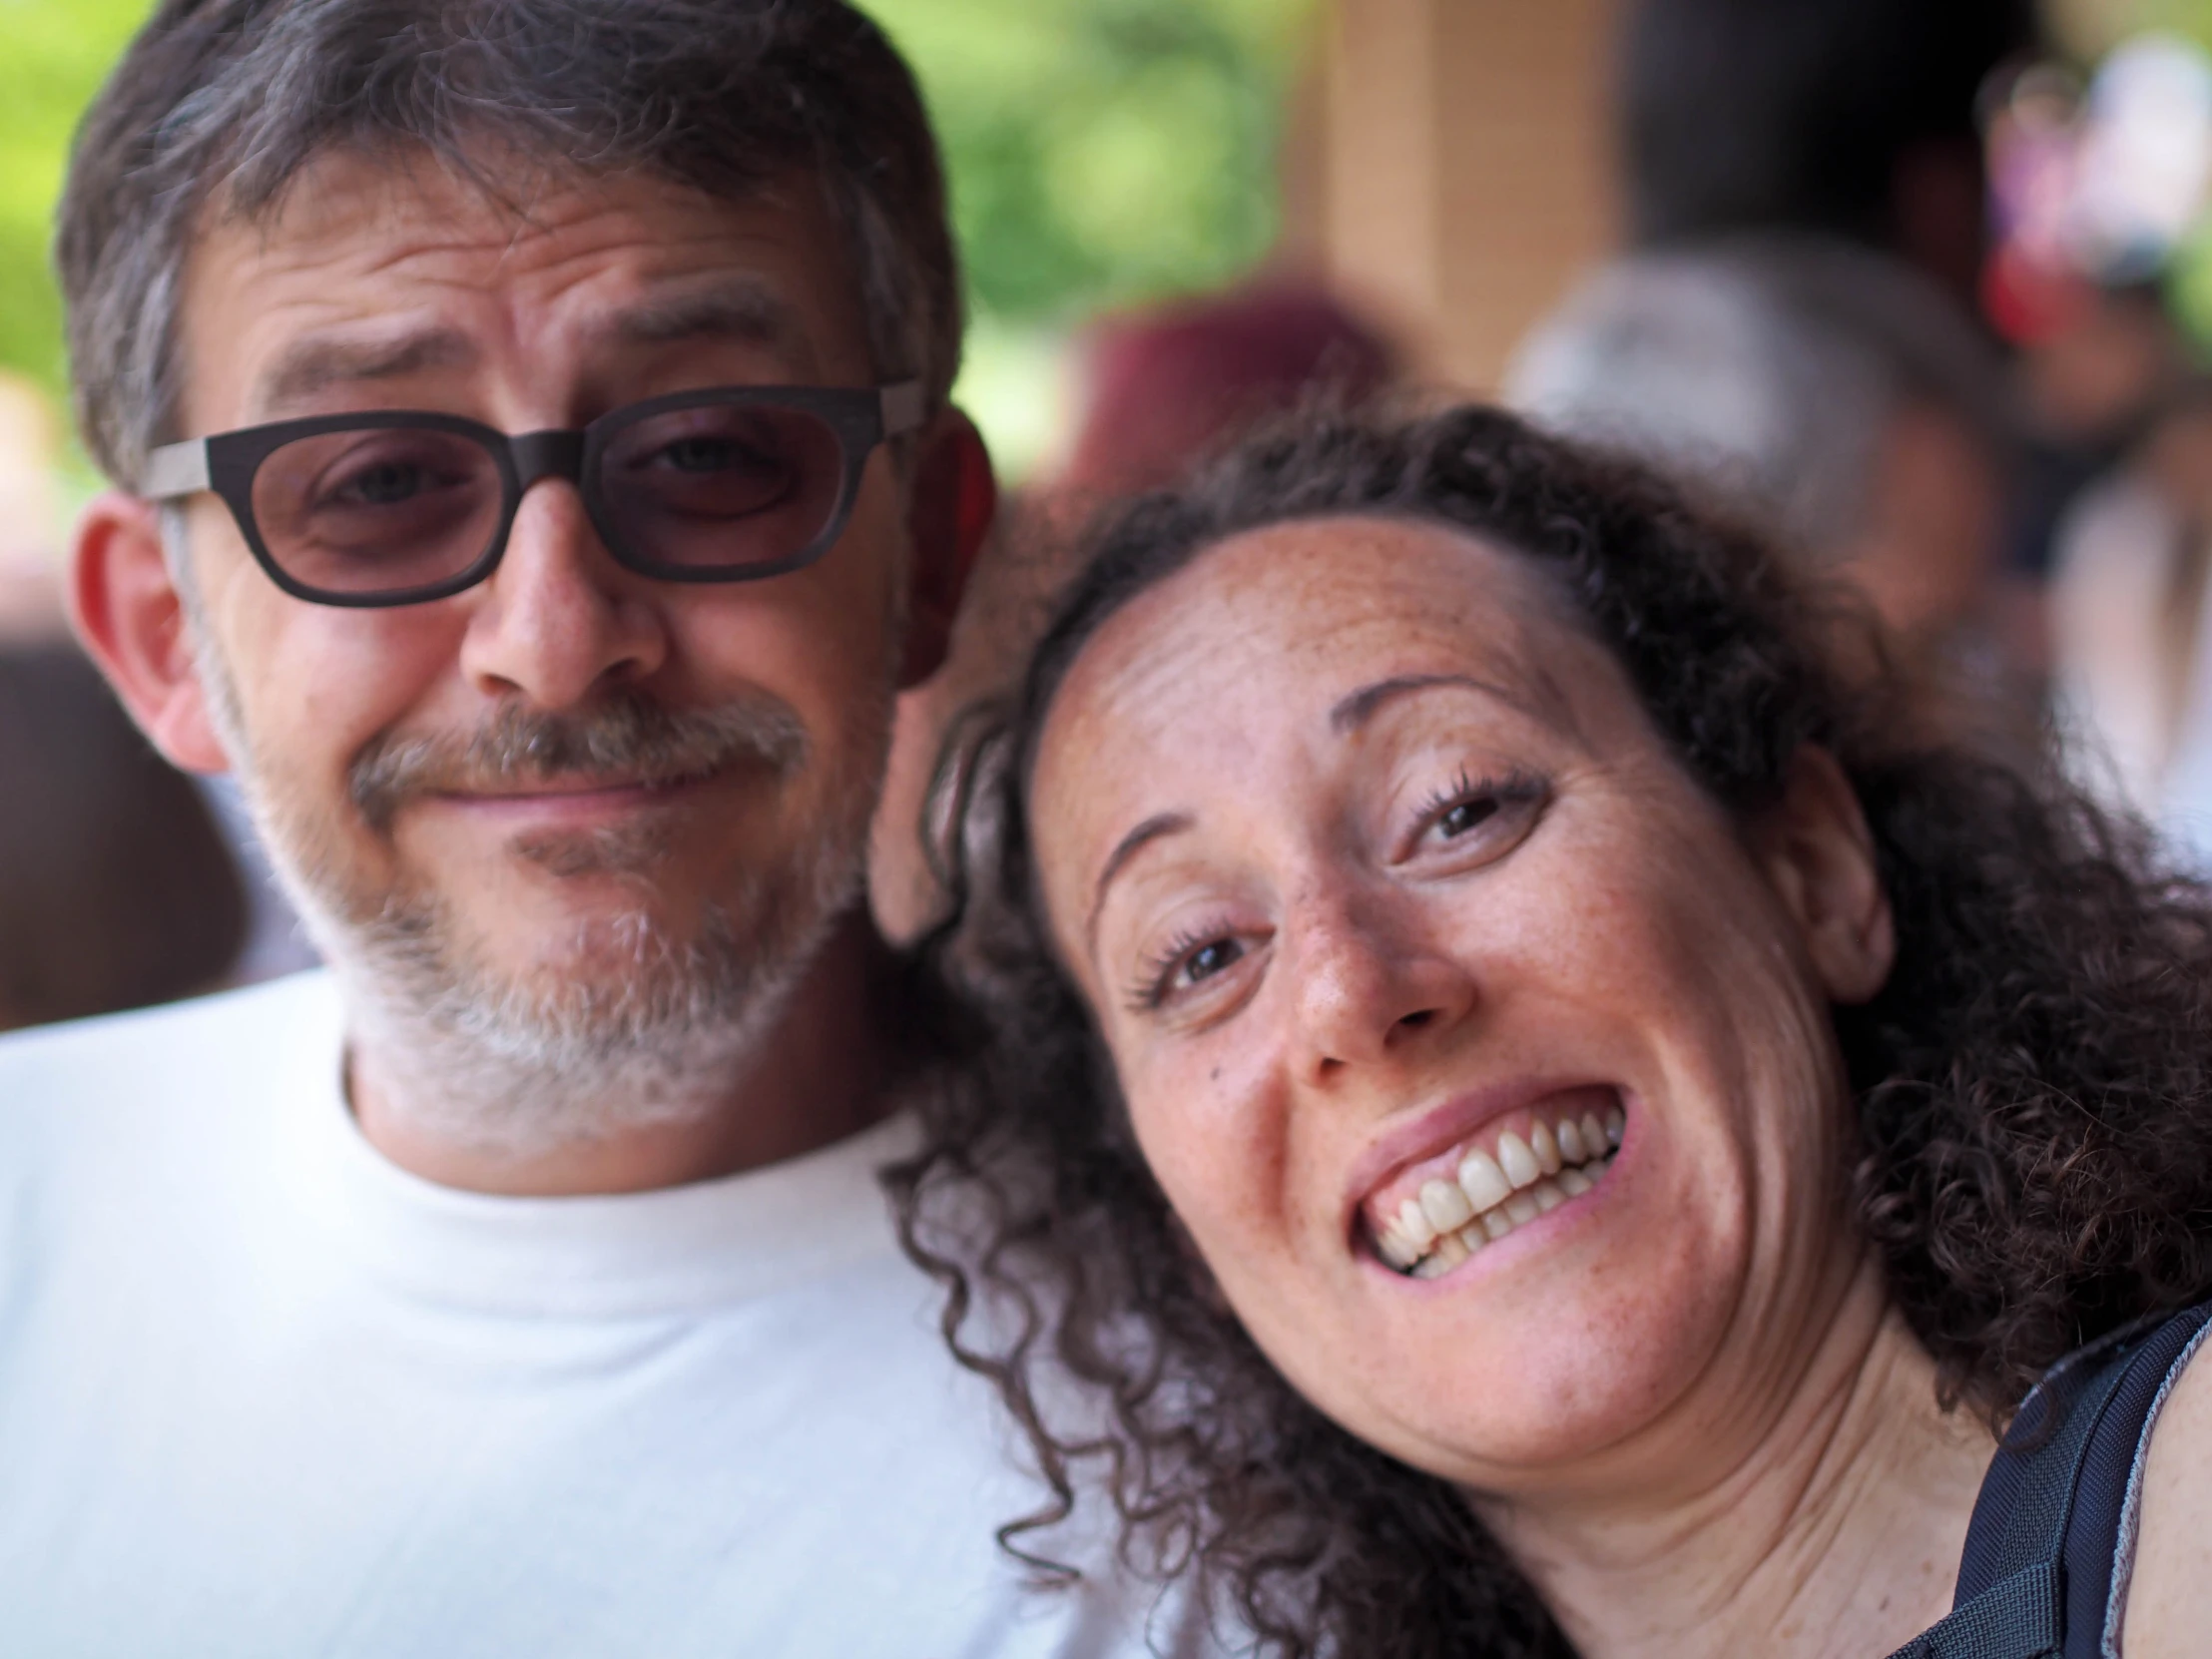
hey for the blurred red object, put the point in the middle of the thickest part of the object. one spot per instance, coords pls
(1163, 387)
(2028, 302)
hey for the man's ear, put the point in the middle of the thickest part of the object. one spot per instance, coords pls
(951, 506)
(1819, 858)
(127, 612)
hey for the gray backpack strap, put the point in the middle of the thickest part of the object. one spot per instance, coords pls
(2015, 1618)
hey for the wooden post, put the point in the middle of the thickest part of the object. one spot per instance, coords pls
(1467, 167)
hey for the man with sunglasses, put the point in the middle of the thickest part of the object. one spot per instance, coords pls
(535, 478)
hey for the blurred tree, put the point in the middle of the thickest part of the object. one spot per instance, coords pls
(56, 53)
(1102, 152)
(2089, 28)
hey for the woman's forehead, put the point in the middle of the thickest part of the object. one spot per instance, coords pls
(1293, 617)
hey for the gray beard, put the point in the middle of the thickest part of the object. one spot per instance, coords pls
(639, 1028)
(661, 1032)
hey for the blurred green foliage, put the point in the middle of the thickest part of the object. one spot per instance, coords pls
(2192, 17)
(1104, 151)
(53, 54)
(1101, 150)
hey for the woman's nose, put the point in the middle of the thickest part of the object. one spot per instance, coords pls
(559, 621)
(1370, 982)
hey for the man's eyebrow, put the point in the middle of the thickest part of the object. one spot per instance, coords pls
(745, 312)
(1362, 706)
(317, 362)
(1159, 824)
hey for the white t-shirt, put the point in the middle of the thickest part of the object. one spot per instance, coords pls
(261, 1392)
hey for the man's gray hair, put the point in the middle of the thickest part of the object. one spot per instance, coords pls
(218, 105)
(1763, 367)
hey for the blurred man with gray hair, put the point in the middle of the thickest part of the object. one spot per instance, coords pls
(534, 476)
(1830, 394)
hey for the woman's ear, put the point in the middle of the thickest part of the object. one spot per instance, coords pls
(953, 502)
(1819, 858)
(124, 601)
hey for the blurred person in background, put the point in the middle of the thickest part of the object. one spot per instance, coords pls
(30, 603)
(2102, 191)
(1858, 124)
(2132, 625)
(30, 514)
(31, 612)
(1855, 117)
(1160, 389)
(534, 476)
(115, 888)
(1834, 395)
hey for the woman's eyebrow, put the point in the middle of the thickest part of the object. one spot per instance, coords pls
(1359, 707)
(1159, 824)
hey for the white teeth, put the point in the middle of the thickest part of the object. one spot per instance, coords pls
(1416, 1226)
(1447, 1221)
(1483, 1182)
(1544, 1147)
(1445, 1206)
(1518, 1163)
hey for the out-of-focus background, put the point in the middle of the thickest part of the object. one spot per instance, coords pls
(1925, 289)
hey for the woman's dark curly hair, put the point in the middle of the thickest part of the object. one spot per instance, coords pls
(2031, 1084)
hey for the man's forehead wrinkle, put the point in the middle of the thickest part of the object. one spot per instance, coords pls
(734, 307)
(312, 363)
(426, 259)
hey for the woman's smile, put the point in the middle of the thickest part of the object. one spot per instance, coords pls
(1433, 1215)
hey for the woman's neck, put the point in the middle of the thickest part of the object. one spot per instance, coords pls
(1833, 1535)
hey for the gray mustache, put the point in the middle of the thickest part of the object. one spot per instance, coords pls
(628, 736)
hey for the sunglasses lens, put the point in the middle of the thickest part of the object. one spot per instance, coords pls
(720, 487)
(377, 511)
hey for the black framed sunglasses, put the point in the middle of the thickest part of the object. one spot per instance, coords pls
(399, 507)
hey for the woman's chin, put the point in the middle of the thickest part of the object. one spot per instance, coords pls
(1537, 1355)
(1524, 1416)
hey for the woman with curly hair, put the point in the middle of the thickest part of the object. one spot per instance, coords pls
(1546, 1113)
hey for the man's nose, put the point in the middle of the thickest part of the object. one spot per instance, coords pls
(1370, 981)
(559, 621)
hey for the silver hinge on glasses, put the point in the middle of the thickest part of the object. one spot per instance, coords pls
(176, 469)
(902, 406)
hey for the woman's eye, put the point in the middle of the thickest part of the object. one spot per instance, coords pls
(1210, 959)
(1185, 965)
(1467, 814)
(1478, 811)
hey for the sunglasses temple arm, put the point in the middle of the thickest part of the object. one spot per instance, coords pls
(902, 407)
(176, 470)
